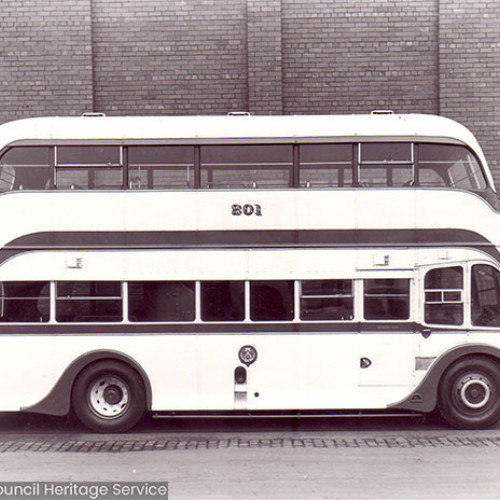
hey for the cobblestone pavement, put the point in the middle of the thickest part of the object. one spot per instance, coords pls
(124, 445)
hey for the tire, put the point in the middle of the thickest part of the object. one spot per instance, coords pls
(469, 393)
(108, 396)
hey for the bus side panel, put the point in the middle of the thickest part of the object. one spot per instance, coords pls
(184, 372)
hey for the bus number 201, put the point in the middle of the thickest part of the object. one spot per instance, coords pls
(247, 209)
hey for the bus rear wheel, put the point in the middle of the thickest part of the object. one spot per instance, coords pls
(108, 396)
(469, 394)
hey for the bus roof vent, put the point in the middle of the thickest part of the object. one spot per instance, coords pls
(92, 114)
(382, 112)
(238, 113)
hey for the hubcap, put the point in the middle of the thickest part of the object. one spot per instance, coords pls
(474, 391)
(113, 394)
(109, 397)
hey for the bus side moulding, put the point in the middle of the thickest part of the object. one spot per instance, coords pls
(424, 398)
(58, 400)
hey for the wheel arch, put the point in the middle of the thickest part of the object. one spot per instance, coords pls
(58, 401)
(424, 397)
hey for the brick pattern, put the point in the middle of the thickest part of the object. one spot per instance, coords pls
(264, 56)
(45, 58)
(170, 57)
(469, 41)
(343, 57)
(175, 444)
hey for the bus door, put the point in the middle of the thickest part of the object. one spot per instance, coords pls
(387, 340)
(442, 314)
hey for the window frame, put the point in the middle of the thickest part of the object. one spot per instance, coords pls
(294, 168)
(127, 298)
(49, 184)
(340, 166)
(91, 169)
(388, 165)
(252, 296)
(6, 299)
(471, 266)
(91, 300)
(363, 296)
(304, 298)
(151, 168)
(295, 299)
(465, 294)
(207, 169)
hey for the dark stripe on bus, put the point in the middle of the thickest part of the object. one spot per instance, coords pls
(255, 239)
(408, 327)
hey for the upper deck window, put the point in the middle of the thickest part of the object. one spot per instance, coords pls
(103, 156)
(25, 167)
(365, 163)
(88, 167)
(386, 164)
(160, 167)
(449, 165)
(326, 165)
(246, 166)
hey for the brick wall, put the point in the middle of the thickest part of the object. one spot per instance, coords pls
(348, 56)
(170, 57)
(469, 40)
(265, 93)
(266, 56)
(45, 58)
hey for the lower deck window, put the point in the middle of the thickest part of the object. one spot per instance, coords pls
(485, 291)
(89, 301)
(24, 301)
(387, 299)
(312, 300)
(161, 300)
(443, 296)
(223, 300)
(271, 300)
(326, 300)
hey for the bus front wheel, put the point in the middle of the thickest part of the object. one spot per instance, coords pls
(469, 393)
(108, 396)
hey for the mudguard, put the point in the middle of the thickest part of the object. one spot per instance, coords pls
(58, 400)
(424, 397)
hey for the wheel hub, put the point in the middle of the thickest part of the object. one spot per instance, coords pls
(474, 391)
(109, 397)
(112, 394)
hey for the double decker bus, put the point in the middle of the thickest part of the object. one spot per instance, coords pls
(248, 265)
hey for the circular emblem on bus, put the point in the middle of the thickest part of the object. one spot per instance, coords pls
(247, 354)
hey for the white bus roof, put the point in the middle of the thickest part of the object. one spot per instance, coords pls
(237, 126)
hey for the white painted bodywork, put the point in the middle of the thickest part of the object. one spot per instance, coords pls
(313, 370)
